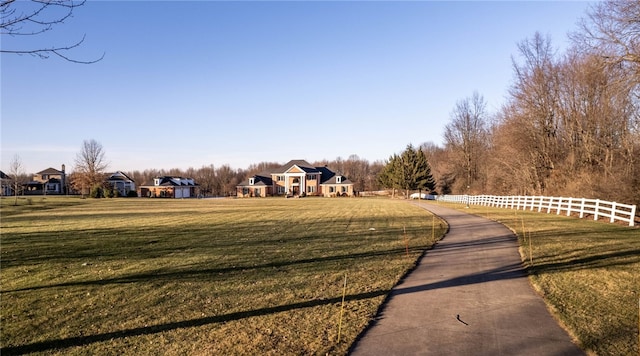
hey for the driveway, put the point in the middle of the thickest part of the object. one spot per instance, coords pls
(469, 295)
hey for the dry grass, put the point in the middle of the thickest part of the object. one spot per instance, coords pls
(256, 276)
(588, 272)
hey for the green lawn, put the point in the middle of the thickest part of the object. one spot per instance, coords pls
(587, 271)
(214, 276)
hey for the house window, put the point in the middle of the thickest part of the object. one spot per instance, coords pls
(280, 178)
(344, 189)
(311, 189)
(45, 176)
(281, 190)
(256, 192)
(156, 181)
(332, 189)
(311, 176)
(252, 181)
(338, 179)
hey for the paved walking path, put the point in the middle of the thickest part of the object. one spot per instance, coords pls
(468, 296)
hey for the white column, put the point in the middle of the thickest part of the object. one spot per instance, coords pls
(286, 183)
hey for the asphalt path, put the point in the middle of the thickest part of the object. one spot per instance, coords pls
(469, 295)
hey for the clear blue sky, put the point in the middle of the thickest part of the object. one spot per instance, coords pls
(187, 84)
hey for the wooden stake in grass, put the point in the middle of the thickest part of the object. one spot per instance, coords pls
(344, 292)
(406, 242)
(433, 227)
(530, 251)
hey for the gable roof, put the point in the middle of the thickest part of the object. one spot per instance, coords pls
(4, 176)
(263, 178)
(50, 171)
(300, 163)
(330, 178)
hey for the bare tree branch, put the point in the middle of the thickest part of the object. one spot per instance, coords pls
(36, 17)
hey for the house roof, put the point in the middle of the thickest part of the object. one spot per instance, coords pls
(50, 171)
(4, 176)
(332, 180)
(175, 181)
(260, 179)
(119, 176)
(302, 164)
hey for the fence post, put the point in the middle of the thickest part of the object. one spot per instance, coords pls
(570, 206)
(582, 208)
(633, 216)
(613, 212)
(541, 198)
(597, 208)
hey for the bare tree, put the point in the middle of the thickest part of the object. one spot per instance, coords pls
(612, 29)
(31, 18)
(16, 170)
(226, 179)
(205, 177)
(534, 107)
(89, 165)
(465, 136)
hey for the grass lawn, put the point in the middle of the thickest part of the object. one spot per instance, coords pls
(588, 272)
(213, 276)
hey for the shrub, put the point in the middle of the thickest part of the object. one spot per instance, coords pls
(96, 192)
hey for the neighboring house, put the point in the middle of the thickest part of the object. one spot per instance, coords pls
(296, 178)
(49, 181)
(122, 183)
(260, 185)
(170, 187)
(6, 184)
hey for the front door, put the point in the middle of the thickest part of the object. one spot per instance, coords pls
(296, 190)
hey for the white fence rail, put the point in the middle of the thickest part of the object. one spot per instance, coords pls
(559, 205)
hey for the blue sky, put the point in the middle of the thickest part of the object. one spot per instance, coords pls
(187, 84)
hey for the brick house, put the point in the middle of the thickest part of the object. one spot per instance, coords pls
(296, 178)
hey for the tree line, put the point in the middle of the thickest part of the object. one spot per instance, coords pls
(570, 125)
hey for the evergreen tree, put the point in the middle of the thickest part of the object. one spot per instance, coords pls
(409, 171)
(388, 177)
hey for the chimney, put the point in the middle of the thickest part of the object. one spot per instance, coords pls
(64, 181)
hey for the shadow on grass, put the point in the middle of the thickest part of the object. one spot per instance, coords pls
(200, 273)
(90, 339)
(21, 248)
(601, 260)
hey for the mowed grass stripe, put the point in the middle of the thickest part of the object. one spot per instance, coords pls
(255, 276)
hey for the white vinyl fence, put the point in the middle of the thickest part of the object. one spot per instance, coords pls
(594, 207)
